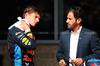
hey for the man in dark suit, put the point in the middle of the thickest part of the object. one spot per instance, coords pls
(78, 44)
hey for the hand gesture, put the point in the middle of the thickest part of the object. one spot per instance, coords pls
(24, 25)
(62, 63)
(77, 61)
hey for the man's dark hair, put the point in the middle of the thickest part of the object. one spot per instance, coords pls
(78, 13)
(31, 9)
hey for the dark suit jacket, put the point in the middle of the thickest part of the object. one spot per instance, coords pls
(88, 45)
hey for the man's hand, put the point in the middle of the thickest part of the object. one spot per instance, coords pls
(24, 25)
(77, 61)
(62, 63)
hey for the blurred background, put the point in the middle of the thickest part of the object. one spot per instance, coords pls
(48, 29)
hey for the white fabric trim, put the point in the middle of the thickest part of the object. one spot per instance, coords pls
(18, 22)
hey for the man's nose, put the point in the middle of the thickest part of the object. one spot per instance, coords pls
(67, 21)
(37, 20)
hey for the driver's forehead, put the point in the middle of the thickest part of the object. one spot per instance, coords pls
(35, 14)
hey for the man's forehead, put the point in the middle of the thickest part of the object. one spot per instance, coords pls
(70, 14)
(36, 13)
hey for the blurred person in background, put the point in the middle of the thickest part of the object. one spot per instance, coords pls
(77, 44)
(21, 41)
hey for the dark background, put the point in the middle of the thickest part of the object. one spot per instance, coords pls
(92, 9)
(44, 30)
(12, 9)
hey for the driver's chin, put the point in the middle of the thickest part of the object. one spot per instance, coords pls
(33, 25)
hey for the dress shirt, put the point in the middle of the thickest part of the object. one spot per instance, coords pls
(74, 43)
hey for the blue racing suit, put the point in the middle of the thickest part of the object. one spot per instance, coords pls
(21, 46)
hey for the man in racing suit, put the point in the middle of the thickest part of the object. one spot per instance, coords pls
(21, 41)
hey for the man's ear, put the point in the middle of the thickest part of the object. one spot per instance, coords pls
(79, 20)
(26, 15)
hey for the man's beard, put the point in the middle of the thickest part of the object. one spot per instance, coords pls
(71, 27)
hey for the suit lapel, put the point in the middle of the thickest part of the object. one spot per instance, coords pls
(68, 41)
(79, 41)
